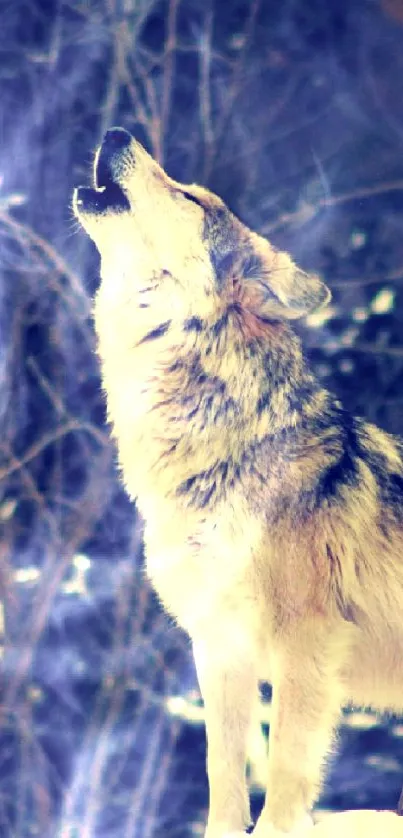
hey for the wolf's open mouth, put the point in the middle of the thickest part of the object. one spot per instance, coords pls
(106, 193)
(105, 196)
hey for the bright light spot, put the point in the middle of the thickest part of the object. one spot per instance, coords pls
(358, 239)
(362, 721)
(7, 509)
(346, 365)
(179, 706)
(176, 705)
(237, 41)
(360, 315)
(397, 730)
(319, 318)
(383, 301)
(25, 575)
(349, 336)
(81, 562)
(35, 694)
(14, 200)
(384, 762)
(77, 584)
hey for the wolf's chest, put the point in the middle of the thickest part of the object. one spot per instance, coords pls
(202, 566)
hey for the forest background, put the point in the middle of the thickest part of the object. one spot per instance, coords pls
(293, 113)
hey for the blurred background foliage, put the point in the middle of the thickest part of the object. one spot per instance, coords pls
(293, 113)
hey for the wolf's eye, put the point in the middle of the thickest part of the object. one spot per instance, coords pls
(190, 197)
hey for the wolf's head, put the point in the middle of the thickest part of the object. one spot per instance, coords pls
(167, 244)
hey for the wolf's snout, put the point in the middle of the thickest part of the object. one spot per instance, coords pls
(107, 195)
(115, 142)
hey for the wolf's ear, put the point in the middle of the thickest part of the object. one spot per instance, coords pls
(276, 288)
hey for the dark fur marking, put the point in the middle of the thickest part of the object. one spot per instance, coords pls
(193, 412)
(220, 324)
(200, 488)
(184, 487)
(204, 394)
(297, 398)
(229, 406)
(391, 487)
(234, 308)
(169, 451)
(222, 236)
(205, 497)
(192, 198)
(158, 332)
(199, 376)
(258, 474)
(302, 395)
(389, 482)
(177, 365)
(252, 266)
(396, 487)
(345, 609)
(252, 350)
(275, 369)
(222, 265)
(344, 471)
(193, 324)
(234, 261)
(262, 403)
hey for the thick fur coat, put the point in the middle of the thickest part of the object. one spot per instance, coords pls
(273, 518)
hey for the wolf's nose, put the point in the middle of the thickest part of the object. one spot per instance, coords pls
(116, 139)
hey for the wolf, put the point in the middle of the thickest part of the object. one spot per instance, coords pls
(272, 517)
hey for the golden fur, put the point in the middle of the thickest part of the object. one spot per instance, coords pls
(273, 519)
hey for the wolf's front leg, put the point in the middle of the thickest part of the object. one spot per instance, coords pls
(307, 696)
(228, 683)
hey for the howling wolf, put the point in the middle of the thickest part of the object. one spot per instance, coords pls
(273, 518)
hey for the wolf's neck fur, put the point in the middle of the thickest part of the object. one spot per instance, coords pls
(188, 396)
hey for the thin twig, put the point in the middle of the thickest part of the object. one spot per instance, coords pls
(308, 211)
